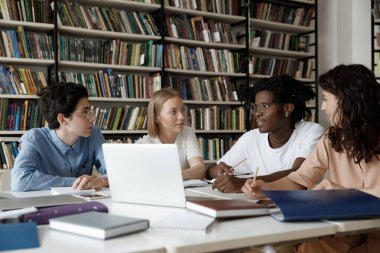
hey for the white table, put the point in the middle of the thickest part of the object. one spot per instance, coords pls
(223, 235)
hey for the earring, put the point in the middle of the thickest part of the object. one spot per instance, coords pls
(286, 114)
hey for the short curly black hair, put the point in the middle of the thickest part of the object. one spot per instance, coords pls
(60, 98)
(285, 89)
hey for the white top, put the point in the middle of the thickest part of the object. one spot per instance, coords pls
(254, 146)
(186, 142)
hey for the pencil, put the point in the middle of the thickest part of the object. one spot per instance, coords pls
(254, 176)
(233, 167)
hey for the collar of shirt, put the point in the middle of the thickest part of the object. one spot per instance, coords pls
(63, 147)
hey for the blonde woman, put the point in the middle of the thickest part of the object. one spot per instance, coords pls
(166, 119)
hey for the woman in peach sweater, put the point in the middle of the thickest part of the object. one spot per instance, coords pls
(349, 151)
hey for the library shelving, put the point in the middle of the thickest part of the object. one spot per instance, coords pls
(123, 51)
(202, 59)
(375, 41)
(26, 54)
(283, 40)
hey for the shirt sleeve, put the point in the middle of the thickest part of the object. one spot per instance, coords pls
(236, 154)
(313, 169)
(192, 145)
(26, 177)
(100, 164)
(310, 137)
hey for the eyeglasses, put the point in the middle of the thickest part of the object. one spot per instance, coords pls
(261, 107)
(89, 114)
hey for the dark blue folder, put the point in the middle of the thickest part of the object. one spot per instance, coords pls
(323, 204)
(21, 235)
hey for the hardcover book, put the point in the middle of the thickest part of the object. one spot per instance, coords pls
(98, 225)
(295, 205)
(227, 208)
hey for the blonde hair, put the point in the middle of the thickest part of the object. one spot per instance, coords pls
(155, 105)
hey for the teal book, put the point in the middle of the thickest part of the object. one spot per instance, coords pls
(298, 205)
(18, 236)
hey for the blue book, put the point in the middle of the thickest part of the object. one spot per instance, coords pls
(339, 204)
(18, 236)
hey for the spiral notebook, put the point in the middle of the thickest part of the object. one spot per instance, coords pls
(70, 191)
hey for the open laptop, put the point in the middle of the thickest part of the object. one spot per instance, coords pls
(145, 174)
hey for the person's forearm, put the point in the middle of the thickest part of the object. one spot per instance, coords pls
(212, 171)
(276, 176)
(284, 184)
(195, 172)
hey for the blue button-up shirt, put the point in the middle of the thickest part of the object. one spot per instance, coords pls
(45, 161)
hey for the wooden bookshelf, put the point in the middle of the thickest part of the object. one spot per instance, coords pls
(299, 22)
(238, 78)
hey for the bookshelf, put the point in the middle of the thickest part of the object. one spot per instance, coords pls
(283, 40)
(25, 56)
(375, 42)
(209, 29)
(123, 51)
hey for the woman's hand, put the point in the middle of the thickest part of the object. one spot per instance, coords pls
(252, 188)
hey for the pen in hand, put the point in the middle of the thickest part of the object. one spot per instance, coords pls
(255, 175)
(233, 167)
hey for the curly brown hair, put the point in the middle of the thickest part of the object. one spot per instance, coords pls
(358, 93)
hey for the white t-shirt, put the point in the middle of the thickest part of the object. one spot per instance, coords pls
(186, 142)
(254, 146)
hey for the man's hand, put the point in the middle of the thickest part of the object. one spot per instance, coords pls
(89, 182)
(228, 183)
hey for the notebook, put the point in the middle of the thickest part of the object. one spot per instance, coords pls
(98, 225)
(42, 215)
(296, 205)
(14, 203)
(227, 208)
(187, 221)
(70, 191)
(145, 174)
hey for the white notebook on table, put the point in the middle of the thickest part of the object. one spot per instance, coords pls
(186, 221)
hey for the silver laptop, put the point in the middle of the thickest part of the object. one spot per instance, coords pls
(145, 174)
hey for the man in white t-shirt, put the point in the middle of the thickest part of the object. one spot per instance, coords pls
(281, 141)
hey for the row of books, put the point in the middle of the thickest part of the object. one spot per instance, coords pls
(202, 59)
(107, 84)
(211, 89)
(26, 10)
(106, 19)
(211, 148)
(216, 118)
(377, 64)
(121, 118)
(215, 6)
(215, 148)
(115, 52)
(196, 28)
(135, 118)
(277, 66)
(20, 81)
(278, 40)
(281, 13)
(8, 154)
(376, 9)
(20, 44)
(20, 115)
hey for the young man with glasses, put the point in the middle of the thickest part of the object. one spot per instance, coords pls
(281, 141)
(65, 153)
